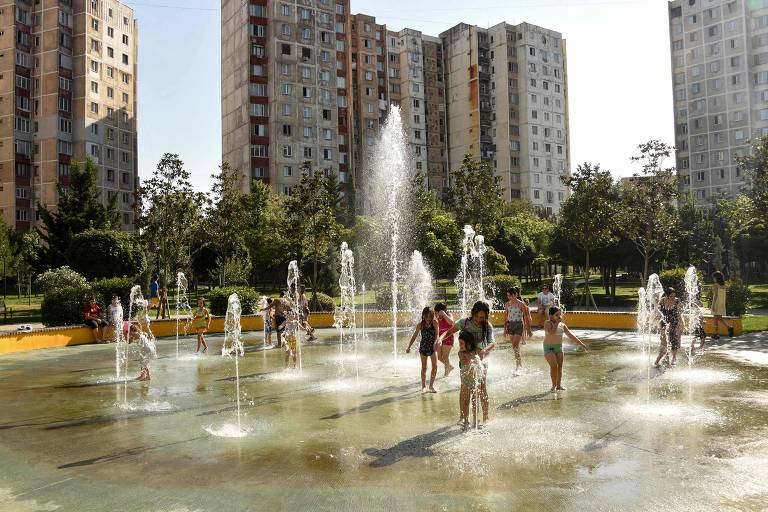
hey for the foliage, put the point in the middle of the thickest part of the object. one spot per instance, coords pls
(232, 270)
(514, 243)
(755, 167)
(675, 278)
(79, 208)
(501, 283)
(267, 242)
(323, 303)
(696, 241)
(170, 216)
(64, 306)
(219, 297)
(62, 277)
(103, 289)
(737, 297)
(495, 263)
(476, 197)
(99, 253)
(735, 218)
(567, 293)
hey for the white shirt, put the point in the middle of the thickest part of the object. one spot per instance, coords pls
(545, 299)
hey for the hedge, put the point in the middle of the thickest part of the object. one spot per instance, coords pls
(58, 278)
(103, 289)
(217, 300)
(64, 306)
(737, 297)
(324, 302)
(501, 283)
(675, 278)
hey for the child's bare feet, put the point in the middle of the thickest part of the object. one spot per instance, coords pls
(560, 388)
(448, 370)
(432, 389)
(554, 388)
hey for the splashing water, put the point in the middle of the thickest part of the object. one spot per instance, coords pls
(649, 321)
(183, 309)
(138, 314)
(692, 311)
(470, 281)
(557, 291)
(345, 315)
(477, 370)
(233, 344)
(116, 319)
(418, 286)
(364, 335)
(294, 277)
(264, 312)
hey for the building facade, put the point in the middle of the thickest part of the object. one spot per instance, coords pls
(720, 87)
(68, 73)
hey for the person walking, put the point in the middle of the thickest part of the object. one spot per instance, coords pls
(717, 304)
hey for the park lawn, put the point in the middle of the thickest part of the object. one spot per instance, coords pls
(754, 323)
(759, 296)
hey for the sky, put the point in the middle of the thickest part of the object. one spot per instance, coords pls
(619, 78)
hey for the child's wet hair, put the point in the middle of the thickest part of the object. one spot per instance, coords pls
(553, 310)
(424, 313)
(440, 307)
(468, 339)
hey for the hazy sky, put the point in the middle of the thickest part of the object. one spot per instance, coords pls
(618, 71)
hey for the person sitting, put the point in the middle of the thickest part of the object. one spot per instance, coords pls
(92, 318)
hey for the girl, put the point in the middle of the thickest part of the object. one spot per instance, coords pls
(671, 326)
(289, 327)
(201, 322)
(470, 371)
(428, 327)
(115, 316)
(269, 322)
(529, 334)
(444, 322)
(147, 350)
(718, 304)
(517, 322)
(478, 326)
(554, 329)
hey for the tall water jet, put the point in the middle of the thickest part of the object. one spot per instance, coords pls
(391, 172)
(419, 287)
(364, 334)
(470, 281)
(692, 310)
(557, 291)
(463, 276)
(294, 277)
(116, 319)
(263, 303)
(345, 314)
(183, 309)
(233, 344)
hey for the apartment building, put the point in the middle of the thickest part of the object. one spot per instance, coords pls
(720, 86)
(285, 82)
(507, 104)
(67, 93)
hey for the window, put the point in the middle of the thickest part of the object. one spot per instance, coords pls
(258, 172)
(110, 52)
(110, 32)
(125, 59)
(94, 107)
(260, 130)
(125, 39)
(287, 171)
(65, 125)
(259, 151)
(287, 150)
(327, 154)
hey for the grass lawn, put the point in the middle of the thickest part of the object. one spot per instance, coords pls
(759, 295)
(754, 323)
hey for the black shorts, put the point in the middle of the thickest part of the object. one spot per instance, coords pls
(280, 323)
(95, 324)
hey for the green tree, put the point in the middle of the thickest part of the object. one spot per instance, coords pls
(100, 254)
(7, 256)
(735, 219)
(587, 216)
(170, 216)
(695, 240)
(268, 242)
(80, 207)
(755, 168)
(476, 197)
(646, 215)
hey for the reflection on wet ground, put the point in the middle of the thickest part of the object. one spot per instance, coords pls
(620, 438)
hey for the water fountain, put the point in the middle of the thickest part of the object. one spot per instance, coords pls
(392, 170)
(264, 312)
(692, 311)
(557, 291)
(649, 321)
(345, 315)
(294, 277)
(183, 309)
(419, 287)
(364, 334)
(470, 281)
(233, 344)
(116, 319)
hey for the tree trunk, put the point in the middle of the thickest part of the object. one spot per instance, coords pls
(588, 298)
(646, 268)
(314, 280)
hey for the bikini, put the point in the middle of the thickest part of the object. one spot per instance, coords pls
(444, 325)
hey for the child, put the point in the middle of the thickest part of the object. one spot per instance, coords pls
(303, 305)
(671, 327)
(471, 373)
(444, 322)
(201, 323)
(428, 328)
(147, 350)
(164, 309)
(718, 301)
(115, 316)
(529, 334)
(554, 329)
(289, 327)
(516, 324)
(269, 322)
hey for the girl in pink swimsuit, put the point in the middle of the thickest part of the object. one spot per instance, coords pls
(444, 323)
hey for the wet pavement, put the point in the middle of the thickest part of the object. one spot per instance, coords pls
(343, 435)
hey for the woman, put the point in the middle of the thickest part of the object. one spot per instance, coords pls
(671, 326)
(428, 328)
(444, 322)
(517, 322)
(554, 328)
(718, 304)
(481, 329)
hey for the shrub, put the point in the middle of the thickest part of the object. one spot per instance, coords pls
(102, 253)
(675, 278)
(103, 289)
(568, 294)
(324, 302)
(500, 284)
(737, 297)
(217, 300)
(57, 279)
(64, 306)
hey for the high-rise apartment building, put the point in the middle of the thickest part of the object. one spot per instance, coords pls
(67, 93)
(720, 86)
(507, 104)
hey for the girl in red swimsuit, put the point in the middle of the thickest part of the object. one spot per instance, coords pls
(444, 323)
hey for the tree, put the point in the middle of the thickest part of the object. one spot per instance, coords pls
(267, 241)
(755, 168)
(80, 207)
(696, 241)
(312, 225)
(735, 218)
(476, 197)
(170, 215)
(6, 254)
(646, 214)
(587, 216)
(100, 254)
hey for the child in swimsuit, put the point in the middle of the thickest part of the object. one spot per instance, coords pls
(290, 329)
(147, 350)
(472, 376)
(201, 323)
(554, 329)
(428, 327)
(517, 323)
(444, 323)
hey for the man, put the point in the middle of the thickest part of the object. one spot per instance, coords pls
(545, 299)
(304, 314)
(281, 307)
(154, 295)
(92, 318)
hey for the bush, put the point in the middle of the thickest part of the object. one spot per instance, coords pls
(500, 284)
(57, 279)
(217, 300)
(324, 302)
(103, 289)
(568, 294)
(101, 253)
(64, 306)
(737, 297)
(675, 278)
